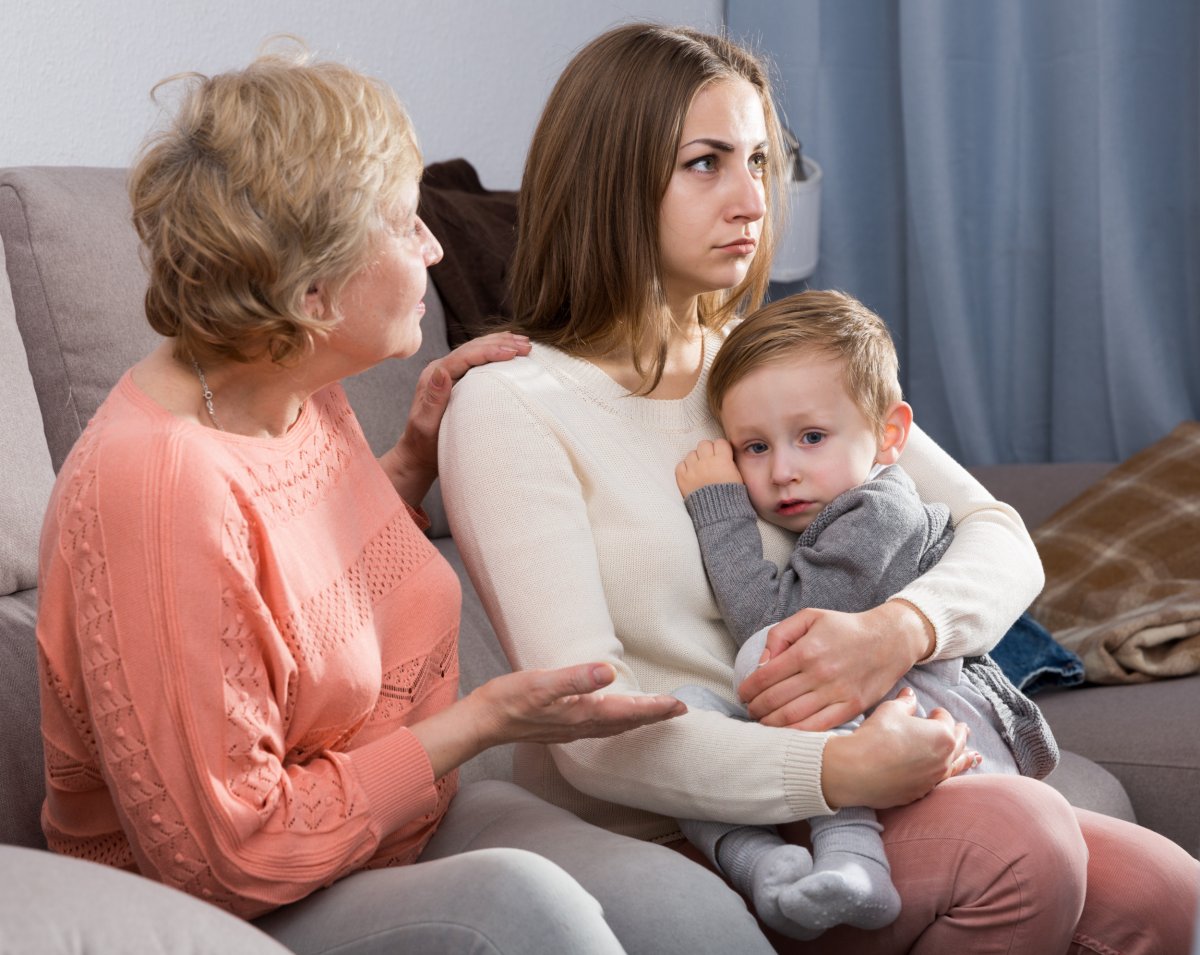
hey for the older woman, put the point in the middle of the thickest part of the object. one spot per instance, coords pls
(247, 646)
(646, 227)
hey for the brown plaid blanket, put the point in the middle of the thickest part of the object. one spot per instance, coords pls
(1123, 566)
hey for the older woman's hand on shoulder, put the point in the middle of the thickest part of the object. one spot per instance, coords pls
(411, 463)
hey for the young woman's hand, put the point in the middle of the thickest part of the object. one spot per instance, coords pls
(538, 706)
(824, 668)
(412, 462)
(894, 757)
(710, 463)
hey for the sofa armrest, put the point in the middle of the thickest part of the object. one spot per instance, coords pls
(53, 904)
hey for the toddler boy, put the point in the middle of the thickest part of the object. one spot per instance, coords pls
(807, 392)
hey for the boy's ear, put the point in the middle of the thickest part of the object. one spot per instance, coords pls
(895, 433)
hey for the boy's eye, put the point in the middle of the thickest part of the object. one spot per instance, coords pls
(756, 447)
(812, 437)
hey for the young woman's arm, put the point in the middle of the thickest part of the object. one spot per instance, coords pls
(513, 481)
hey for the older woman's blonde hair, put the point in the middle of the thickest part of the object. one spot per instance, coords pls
(267, 181)
(586, 272)
(830, 324)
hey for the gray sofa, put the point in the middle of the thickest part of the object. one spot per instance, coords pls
(70, 322)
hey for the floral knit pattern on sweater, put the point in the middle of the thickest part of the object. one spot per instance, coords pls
(233, 635)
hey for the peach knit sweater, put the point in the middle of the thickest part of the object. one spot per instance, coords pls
(233, 634)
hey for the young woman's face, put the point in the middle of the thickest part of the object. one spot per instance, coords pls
(712, 212)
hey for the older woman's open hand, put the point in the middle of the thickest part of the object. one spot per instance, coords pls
(412, 462)
(557, 706)
(538, 706)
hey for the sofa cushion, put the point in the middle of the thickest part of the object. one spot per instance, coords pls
(1145, 735)
(22, 783)
(56, 905)
(1038, 490)
(478, 231)
(479, 659)
(1088, 785)
(24, 459)
(78, 287)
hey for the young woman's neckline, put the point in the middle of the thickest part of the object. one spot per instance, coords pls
(684, 412)
(676, 385)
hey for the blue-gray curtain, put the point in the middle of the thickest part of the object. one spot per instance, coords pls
(1014, 185)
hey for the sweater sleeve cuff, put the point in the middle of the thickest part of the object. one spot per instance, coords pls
(719, 502)
(939, 617)
(801, 786)
(397, 777)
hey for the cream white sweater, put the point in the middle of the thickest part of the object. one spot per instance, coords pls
(560, 488)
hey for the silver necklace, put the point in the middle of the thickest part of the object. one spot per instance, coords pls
(206, 392)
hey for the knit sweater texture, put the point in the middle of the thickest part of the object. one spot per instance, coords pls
(864, 546)
(560, 487)
(233, 634)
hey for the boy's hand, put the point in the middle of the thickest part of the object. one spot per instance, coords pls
(710, 463)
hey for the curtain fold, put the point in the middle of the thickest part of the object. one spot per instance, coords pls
(1015, 187)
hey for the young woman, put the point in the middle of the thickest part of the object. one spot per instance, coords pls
(646, 225)
(247, 645)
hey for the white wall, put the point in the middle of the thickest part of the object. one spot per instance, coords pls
(75, 75)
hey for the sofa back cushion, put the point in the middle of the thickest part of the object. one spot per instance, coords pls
(22, 781)
(77, 285)
(24, 458)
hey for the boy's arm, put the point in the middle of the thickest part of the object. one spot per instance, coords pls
(859, 552)
(751, 591)
(747, 586)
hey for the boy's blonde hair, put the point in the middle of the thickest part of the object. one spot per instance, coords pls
(267, 180)
(586, 273)
(828, 323)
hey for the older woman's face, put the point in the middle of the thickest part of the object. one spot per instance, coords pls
(711, 215)
(382, 304)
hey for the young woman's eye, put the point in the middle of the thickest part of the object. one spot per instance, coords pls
(758, 163)
(755, 447)
(703, 163)
(811, 437)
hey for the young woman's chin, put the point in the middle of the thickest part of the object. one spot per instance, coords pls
(713, 280)
(728, 277)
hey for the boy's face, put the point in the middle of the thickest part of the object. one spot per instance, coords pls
(798, 438)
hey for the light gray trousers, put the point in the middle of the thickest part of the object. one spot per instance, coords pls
(509, 874)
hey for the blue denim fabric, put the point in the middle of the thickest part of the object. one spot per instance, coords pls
(1034, 660)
